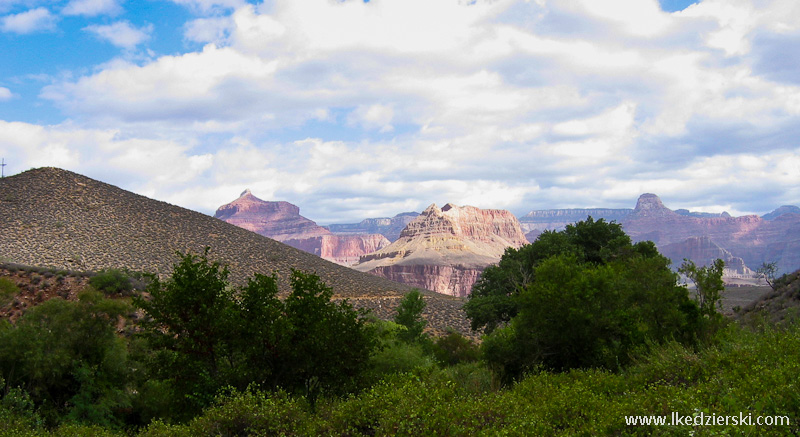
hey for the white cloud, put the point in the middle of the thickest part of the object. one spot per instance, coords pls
(5, 94)
(91, 8)
(346, 105)
(208, 30)
(34, 20)
(121, 33)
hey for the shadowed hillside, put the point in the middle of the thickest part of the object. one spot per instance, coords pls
(55, 218)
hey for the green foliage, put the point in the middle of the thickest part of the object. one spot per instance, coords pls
(454, 349)
(8, 290)
(207, 335)
(494, 298)
(409, 315)
(113, 282)
(584, 297)
(708, 284)
(745, 372)
(67, 357)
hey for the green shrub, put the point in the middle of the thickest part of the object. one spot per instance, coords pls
(112, 282)
(454, 348)
(8, 290)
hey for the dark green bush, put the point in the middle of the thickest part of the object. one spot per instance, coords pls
(8, 290)
(454, 348)
(112, 282)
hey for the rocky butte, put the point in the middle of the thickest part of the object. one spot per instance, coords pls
(282, 221)
(445, 250)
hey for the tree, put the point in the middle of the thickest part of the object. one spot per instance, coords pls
(494, 298)
(409, 315)
(708, 283)
(594, 301)
(207, 335)
(68, 358)
(768, 271)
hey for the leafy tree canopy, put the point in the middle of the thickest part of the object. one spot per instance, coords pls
(583, 297)
(208, 335)
(493, 301)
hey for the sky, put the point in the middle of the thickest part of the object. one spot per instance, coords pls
(353, 109)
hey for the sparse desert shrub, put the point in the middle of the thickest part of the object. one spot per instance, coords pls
(8, 290)
(112, 282)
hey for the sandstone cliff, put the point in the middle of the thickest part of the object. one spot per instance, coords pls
(282, 221)
(445, 249)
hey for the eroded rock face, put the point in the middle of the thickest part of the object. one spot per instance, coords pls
(445, 249)
(277, 220)
(282, 221)
(750, 238)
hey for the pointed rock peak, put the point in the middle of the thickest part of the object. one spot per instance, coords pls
(448, 207)
(246, 192)
(431, 209)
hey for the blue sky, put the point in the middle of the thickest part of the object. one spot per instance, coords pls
(354, 109)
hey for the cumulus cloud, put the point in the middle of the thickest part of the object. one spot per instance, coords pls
(351, 107)
(33, 20)
(91, 8)
(121, 33)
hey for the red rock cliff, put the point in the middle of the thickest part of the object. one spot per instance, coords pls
(282, 221)
(445, 249)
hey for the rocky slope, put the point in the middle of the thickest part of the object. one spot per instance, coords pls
(388, 227)
(445, 249)
(55, 218)
(282, 221)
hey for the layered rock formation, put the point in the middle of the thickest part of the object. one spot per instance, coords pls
(557, 219)
(446, 249)
(277, 220)
(388, 227)
(282, 221)
(743, 242)
(750, 238)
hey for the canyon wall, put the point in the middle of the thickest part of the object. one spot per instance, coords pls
(446, 249)
(282, 221)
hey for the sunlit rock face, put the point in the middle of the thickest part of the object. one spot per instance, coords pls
(445, 249)
(282, 221)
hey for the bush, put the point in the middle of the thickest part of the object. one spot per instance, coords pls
(8, 290)
(69, 359)
(112, 282)
(454, 349)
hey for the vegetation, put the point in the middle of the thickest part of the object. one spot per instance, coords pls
(205, 336)
(8, 290)
(213, 359)
(769, 271)
(581, 298)
(409, 316)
